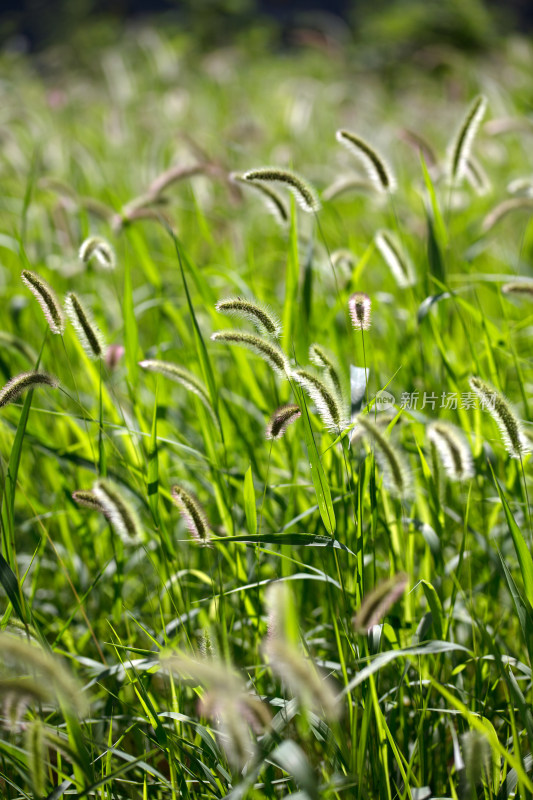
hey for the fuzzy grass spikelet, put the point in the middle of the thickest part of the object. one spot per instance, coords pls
(35, 747)
(46, 670)
(453, 450)
(395, 258)
(461, 146)
(22, 383)
(360, 306)
(119, 511)
(270, 353)
(302, 191)
(396, 473)
(182, 376)
(281, 419)
(510, 427)
(193, 514)
(376, 167)
(319, 357)
(376, 603)
(518, 287)
(88, 500)
(99, 249)
(261, 316)
(88, 333)
(45, 296)
(328, 403)
(273, 201)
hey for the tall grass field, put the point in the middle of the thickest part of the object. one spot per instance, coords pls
(266, 382)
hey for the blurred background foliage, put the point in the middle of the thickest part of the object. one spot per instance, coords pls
(386, 29)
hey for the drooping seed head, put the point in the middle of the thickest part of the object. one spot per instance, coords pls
(261, 316)
(376, 603)
(304, 193)
(476, 176)
(28, 662)
(273, 201)
(193, 514)
(514, 439)
(272, 354)
(396, 474)
(329, 405)
(453, 450)
(322, 359)
(119, 511)
(182, 376)
(99, 249)
(281, 419)
(377, 168)
(47, 299)
(461, 146)
(88, 500)
(524, 288)
(88, 333)
(506, 207)
(397, 261)
(21, 383)
(360, 311)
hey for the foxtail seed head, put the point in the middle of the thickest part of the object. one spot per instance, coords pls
(21, 383)
(120, 513)
(396, 260)
(510, 427)
(396, 473)
(46, 298)
(273, 201)
(360, 309)
(322, 359)
(328, 403)
(376, 604)
(261, 316)
(461, 146)
(270, 353)
(100, 249)
(281, 419)
(453, 450)
(377, 168)
(182, 376)
(88, 333)
(305, 195)
(193, 514)
(88, 500)
(518, 287)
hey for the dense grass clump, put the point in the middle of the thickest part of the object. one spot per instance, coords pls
(293, 556)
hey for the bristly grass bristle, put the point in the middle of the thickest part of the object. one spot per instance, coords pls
(514, 439)
(259, 314)
(88, 499)
(89, 334)
(193, 514)
(376, 167)
(303, 192)
(281, 419)
(22, 383)
(519, 287)
(47, 299)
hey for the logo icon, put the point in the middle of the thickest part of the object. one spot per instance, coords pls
(384, 400)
